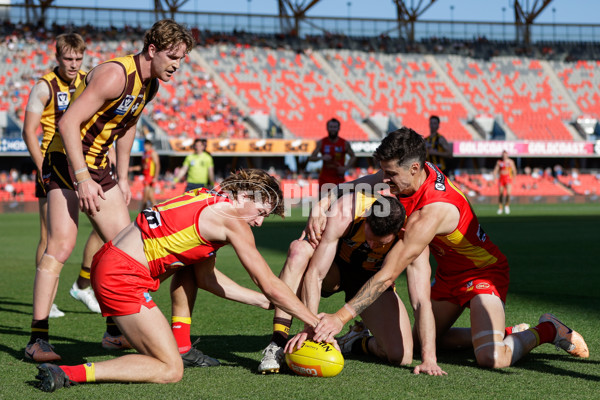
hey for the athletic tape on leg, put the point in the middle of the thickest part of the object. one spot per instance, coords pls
(49, 264)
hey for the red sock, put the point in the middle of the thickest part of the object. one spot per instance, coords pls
(76, 373)
(508, 331)
(546, 332)
(181, 330)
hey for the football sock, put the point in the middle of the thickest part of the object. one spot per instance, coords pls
(181, 330)
(39, 330)
(361, 347)
(544, 332)
(80, 373)
(112, 328)
(281, 331)
(508, 331)
(83, 281)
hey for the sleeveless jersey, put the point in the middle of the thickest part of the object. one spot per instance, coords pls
(433, 142)
(60, 96)
(115, 117)
(148, 165)
(468, 248)
(353, 248)
(505, 169)
(337, 151)
(171, 234)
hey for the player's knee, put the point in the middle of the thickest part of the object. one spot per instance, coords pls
(299, 250)
(173, 373)
(490, 358)
(400, 357)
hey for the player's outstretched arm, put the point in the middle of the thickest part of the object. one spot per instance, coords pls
(240, 236)
(418, 275)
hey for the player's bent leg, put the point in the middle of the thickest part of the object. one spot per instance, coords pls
(487, 330)
(150, 334)
(298, 257)
(445, 315)
(113, 216)
(388, 321)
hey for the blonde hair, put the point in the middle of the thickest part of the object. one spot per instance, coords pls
(257, 184)
(69, 41)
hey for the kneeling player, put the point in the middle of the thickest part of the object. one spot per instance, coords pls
(186, 230)
(360, 232)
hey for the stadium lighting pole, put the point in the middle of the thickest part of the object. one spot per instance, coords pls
(452, 20)
(349, 4)
(249, 11)
(554, 24)
(503, 23)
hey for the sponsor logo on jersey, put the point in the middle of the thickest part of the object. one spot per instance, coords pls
(62, 100)
(125, 104)
(481, 234)
(439, 179)
(482, 285)
(152, 217)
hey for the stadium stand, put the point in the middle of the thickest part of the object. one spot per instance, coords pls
(404, 85)
(515, 88)
(292, 84)
(582, 81)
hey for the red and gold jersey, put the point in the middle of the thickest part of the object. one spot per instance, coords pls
(467, 249)
(148, 164)
(116, 116)
(337, 151)
(171, 233)
(353, 248)
(505, 168)
(58, 101)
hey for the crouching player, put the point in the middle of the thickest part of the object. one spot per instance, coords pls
(186, 230)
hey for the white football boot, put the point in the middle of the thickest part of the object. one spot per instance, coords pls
(86, 296)
(273, 359)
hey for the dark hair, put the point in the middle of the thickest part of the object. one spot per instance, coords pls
(166, 34)
(200, 140)
(255, 182)
(334, 120)
(403, 145)
(148, 141)
(434, 117)
(387, 216)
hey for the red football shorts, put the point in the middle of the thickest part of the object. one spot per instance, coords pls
(121, 284)
(462, 291)
(505, 180)
(148, 180)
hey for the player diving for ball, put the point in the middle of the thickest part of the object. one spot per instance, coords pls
(360, 231)
(184, 231)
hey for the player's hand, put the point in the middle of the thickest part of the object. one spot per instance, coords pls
(125, 189)
(316, 222)
(429, 368)
(328, 326)
(88, 193)
(296, 342)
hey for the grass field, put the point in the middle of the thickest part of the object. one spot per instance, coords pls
(553, 254)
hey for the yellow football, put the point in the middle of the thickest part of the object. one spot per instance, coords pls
(315, 359)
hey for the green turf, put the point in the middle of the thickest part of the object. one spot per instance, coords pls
(553, 254)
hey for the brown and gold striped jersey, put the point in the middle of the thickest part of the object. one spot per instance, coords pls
(58, 101)
(115, 117)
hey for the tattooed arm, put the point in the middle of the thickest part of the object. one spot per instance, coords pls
(422, 226)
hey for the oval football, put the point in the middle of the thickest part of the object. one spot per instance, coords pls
(315, 359)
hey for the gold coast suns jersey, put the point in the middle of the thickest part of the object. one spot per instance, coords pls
(353, 248)
(171, 233)
(115, 117)
(58, 101)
